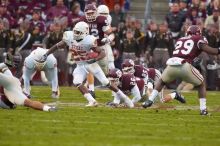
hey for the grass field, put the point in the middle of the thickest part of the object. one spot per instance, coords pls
(75, 125)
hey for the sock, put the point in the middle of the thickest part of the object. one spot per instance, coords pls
(172, 95)
(89, 97)
(46, 108)
(116, 98)
(127, 100)
(202, 102)
(91, 87)
(153, 95)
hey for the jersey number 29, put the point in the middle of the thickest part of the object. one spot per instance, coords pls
(183, 47)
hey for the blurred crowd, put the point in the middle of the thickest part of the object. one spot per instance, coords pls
(27, 24)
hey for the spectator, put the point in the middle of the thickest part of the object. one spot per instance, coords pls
(183, 6)
(161, 47)
(37, 22)
(57, 11)
(213, 19)
(54, 37)
(36, 37)
(214, 4)
(117, 15)
(149, 36)
(5, 14)
(22, 44)
(193, 15)
(175, 20)
(130, 48)
(202, 10)
(5, 42)
(111, 4)
(75, 14)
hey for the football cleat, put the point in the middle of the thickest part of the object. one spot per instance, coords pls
(204, 112)
(55, 95)
(112, 104)
(92, 104)
(28, 95)
(53, 109)
(179, 97)
(93, 94)
(147, 103)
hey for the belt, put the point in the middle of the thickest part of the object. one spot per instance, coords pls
(161, 49)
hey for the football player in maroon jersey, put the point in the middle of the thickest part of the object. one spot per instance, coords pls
(100, 28)
(150, 77)
(180, 65)
(127, 83)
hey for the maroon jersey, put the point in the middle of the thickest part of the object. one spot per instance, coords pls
(127, 82)
(140, 83)
(96, 27)
(143, 72)
(187, 48)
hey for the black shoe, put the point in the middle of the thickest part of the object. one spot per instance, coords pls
(179, 97)
(28, 95)
(147, 103)
(204, 112)
(93, 94)
(53, 109)
(112, 104)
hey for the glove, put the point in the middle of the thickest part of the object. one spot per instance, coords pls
(105, 40)
(212, 66)
(9, 60)
(91, 61)
(43, 58)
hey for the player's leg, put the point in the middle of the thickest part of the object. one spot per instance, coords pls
(27, 75)
(99, 74)
(110, 57)
(51, 73)
(15, 95)
(193, 76)
(28, 72)
(79, 75)
(52, 77)
(169, 74)
(90, 81)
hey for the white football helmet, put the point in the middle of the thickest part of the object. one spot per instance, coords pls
(80, 30)
(103, 10)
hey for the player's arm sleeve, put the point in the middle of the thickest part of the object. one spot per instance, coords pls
(136, 94)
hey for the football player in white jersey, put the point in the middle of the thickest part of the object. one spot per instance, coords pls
(49, 67)
(103, 10)
(86, 54)
(12, 94)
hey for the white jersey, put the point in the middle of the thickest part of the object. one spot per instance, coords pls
(79, 50)
(31, 61)
(109, 19)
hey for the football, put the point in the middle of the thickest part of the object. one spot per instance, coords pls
(92, 55)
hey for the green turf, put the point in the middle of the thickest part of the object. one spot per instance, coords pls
(76, 125)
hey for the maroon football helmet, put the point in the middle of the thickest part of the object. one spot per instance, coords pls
(128, 66)
(114, 75)
(90, 12)
(193, 30)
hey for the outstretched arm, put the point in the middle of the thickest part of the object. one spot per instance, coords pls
(59, 45)
(210, 50)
